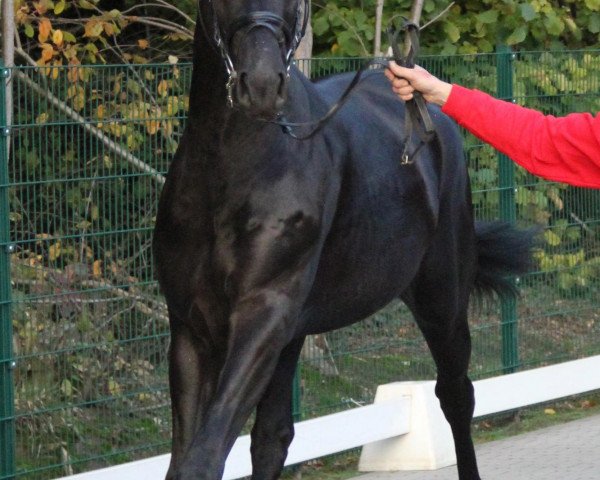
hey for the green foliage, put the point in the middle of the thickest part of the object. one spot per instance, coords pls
(474, 26)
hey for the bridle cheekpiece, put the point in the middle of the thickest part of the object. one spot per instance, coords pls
(258, 19)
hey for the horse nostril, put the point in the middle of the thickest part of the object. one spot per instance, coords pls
(243, 90)
(281, 91)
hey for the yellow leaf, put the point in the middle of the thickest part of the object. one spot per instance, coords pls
(97, 268)
(143, 43)
(550, 411)
(109, 28)
(41, 7)
(113, 387)
(42, 118)
(173, 59)
(79, 100)
(47, 52)
(54, 251)
(551, 238)
(59, 7)
(172, 105)
(152, 126)
(44, 28)
(93, 28)
(73, 74)
(163, 87)
(86, 5)
(57, 37)
(72, 91)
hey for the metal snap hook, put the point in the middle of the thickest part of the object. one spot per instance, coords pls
(229, 87)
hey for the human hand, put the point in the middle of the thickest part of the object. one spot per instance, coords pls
(405, 81)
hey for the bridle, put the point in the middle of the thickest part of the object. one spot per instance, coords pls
(286, 36)
(417, 117)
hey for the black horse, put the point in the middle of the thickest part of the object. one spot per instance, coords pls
(262, 239)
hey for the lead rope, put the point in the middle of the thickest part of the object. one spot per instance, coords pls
(417, 116)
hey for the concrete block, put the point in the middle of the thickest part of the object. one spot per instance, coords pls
(428, 445)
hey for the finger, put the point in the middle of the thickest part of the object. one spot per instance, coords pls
(399, 71)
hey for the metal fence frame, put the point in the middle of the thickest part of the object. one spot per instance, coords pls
(326, 355)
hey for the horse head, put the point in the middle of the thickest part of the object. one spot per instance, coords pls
(257, 40)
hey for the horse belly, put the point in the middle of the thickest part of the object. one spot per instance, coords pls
(360, 273)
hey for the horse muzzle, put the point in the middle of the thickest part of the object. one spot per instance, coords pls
(261, 92)
(260, 44)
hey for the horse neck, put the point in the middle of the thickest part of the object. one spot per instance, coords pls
(209, 78)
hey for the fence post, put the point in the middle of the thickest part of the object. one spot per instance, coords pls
(7, 404)
(507, 205)
(297, 396)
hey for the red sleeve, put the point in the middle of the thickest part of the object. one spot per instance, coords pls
(563, 149)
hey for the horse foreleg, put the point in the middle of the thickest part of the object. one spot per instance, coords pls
(191, 381)
(274, 425)
(259, 330)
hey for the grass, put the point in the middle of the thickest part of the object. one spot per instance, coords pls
(388, 347)
(536, 417)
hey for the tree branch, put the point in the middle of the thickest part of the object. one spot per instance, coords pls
(94, 131)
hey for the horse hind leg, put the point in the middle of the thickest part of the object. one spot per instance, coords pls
(273, 429)
(445, 328)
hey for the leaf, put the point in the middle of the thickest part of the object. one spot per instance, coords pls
(550, 411)
(42, 118)
(518, 35)
(152, 126)
(93, 28)
(109, 29)
(552, 238)
(47, 52)
(452, 31)
(66, 387)
(29, 30)
(593, 4)
(57, 38)
(527, 12)
(594, 24)
(554, 25)
(69, 37)
(349, 44)
(44, 29)
(320, 25)
(491, 16)
(54, 251)
(97, 269)
(113, 387)
(143, 43)
(59, 7)
(86, 5)
(163, 88)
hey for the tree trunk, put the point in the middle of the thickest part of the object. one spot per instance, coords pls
(304, 50)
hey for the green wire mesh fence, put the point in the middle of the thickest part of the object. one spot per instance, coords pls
(84, 330)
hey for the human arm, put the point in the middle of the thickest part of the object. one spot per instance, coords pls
(564, 149)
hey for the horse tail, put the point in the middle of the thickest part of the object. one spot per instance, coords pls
(503, 251)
